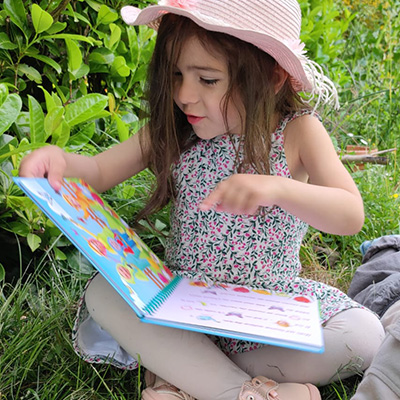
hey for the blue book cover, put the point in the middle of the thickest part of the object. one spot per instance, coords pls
(155, 293)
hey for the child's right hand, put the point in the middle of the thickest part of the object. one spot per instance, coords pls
(47, 162)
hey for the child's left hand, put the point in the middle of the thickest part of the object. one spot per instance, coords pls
(241, 194)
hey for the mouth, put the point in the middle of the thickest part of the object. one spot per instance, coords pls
(193, 119)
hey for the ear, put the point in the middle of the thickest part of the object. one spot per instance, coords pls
(280, 78)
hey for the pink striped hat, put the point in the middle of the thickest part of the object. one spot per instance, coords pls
(271, 25)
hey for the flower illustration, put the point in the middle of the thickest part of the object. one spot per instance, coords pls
(185, 4)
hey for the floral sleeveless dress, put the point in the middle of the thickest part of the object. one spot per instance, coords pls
(259, 251)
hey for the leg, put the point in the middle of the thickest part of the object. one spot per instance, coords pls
(381, 380)
(352, 337)
(189, 360)
(391, 316)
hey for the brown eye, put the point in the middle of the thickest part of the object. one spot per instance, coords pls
(209, 81)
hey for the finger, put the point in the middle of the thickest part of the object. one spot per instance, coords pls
(27, 171)
(212, 200)
(55, 176)
(236, 203)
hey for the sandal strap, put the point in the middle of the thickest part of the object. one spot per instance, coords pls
(259, 388)
(172, 391)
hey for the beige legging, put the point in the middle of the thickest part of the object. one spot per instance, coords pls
(192, 362)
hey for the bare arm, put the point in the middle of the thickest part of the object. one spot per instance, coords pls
(322, 192)
(102, 171)
(330, 201)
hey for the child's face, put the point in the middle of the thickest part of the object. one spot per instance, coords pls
(201, 81)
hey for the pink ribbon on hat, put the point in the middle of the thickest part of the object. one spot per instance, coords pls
(185, 4)
(296, 45)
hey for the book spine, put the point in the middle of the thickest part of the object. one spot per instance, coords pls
(161, 296)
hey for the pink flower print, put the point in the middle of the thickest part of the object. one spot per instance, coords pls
(185, 4)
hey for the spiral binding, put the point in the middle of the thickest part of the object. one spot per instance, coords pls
(159, 299)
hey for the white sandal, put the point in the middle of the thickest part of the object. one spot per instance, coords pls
(159, 389)
(261, 388)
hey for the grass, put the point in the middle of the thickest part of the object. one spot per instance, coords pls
(37, 310)
(37, 359)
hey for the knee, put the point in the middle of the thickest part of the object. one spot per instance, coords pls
(93, 293)
(358, 332)
(103, 303)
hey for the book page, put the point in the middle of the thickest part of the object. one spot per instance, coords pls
(239, 309)
(150, 288)
(103, 237)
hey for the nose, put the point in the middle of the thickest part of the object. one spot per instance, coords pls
(186, 92)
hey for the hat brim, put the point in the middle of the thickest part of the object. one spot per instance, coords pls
(284, 56)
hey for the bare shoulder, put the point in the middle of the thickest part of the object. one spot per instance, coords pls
(310, 152)
(303, 138)
(305, 125)
(307, 135)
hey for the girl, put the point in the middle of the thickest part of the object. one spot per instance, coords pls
(247, 165)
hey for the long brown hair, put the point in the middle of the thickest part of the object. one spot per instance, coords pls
(252, 78)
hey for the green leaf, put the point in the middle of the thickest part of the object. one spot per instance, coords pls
(101, 56)
(3, 92)
(57, 100)
(62, 134)
(119, 67)
(5, 42)
(41, 19)
(77, 16)
(19, 228)
(31, 73)
(9, 111)
(74, 56)
(36, 120)
(50, 103)
(101, 114)
(56, 27)
(45, 59)
(53, 120)
(159, 225)
(122, 128)
(21, 149)
(58, 254)
(3, 17)
(128, 192)
(7, 142)
(72, 36)
(16, 11)
(2, 272)
(106, 15)
(85, 108)
(81, 71)
(133, 46)
(112, 41)
(33, 241)
(83, 137)
(96, 6)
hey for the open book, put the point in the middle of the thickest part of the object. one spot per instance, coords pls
(155, 293)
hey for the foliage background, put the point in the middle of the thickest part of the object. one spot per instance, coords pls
(71, 74)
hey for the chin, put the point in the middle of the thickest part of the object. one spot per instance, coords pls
(206, 136)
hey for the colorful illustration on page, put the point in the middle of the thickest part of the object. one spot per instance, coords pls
(115, 247)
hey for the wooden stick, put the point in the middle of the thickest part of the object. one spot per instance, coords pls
(372, 157)
(364, 158)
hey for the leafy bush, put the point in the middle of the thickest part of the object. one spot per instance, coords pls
(71, 74)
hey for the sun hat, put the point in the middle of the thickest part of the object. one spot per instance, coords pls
(271, 25)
